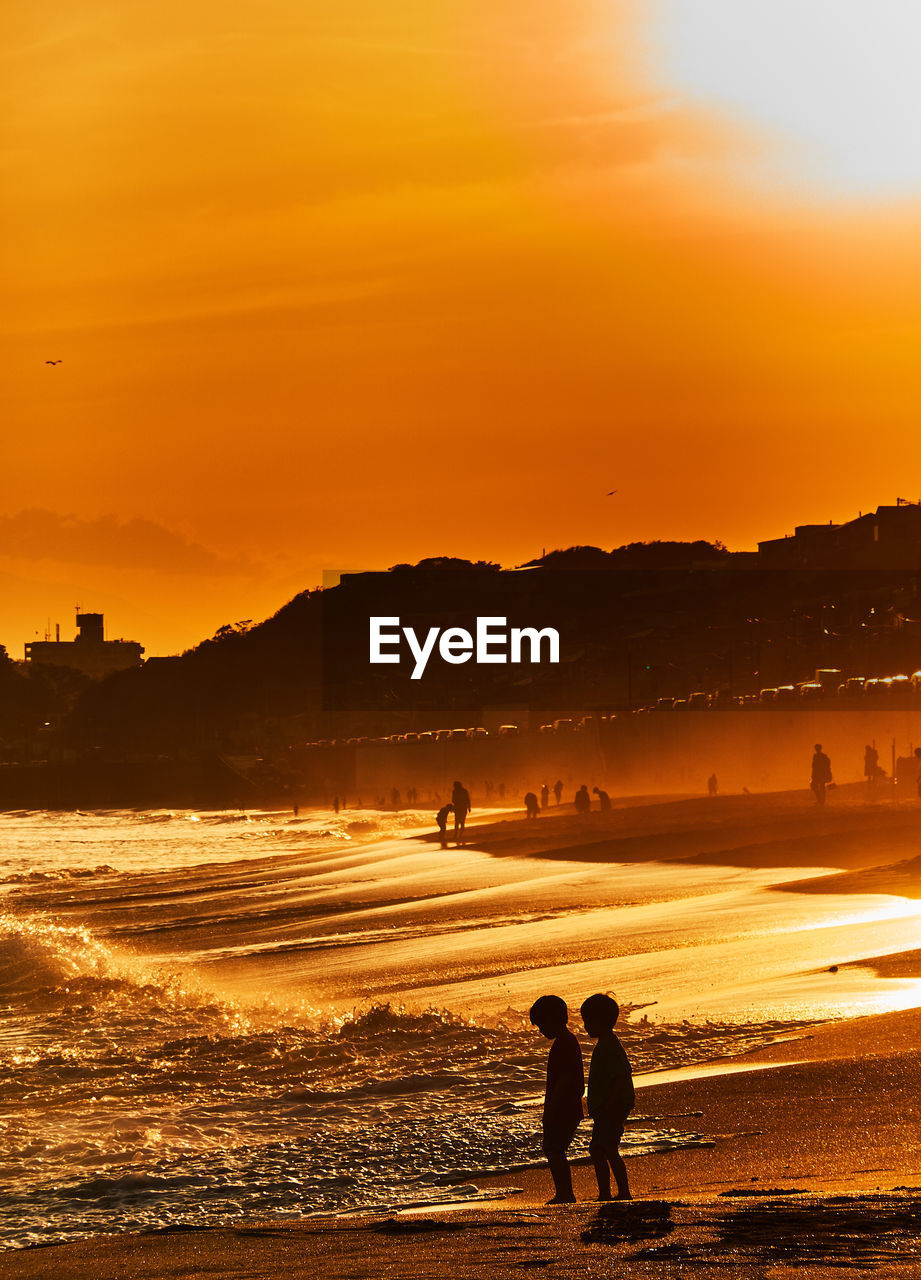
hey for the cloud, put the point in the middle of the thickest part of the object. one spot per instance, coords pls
(138, 544)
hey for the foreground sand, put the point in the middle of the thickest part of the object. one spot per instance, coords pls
(815, 1166)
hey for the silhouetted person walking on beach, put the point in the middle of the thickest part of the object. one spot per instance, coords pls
(460, 799)
(558, 790)
(610, 1095)
(713, 785)
(604, 800)
(544, 796)
(532, 810)
(582, 800)
(821, 773)
(563, 1093)
(441, 817)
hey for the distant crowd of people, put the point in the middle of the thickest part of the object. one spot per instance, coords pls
(582, 801)
(459, 806)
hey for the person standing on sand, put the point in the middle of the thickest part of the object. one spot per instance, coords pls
(821, 773)
(582, 801)
(713, 785)
(530, 804)
(611, 1097)
(558, 790)
(563, 1094)
(441, 817)
(460, 799)
(544, 796)
(604, 800)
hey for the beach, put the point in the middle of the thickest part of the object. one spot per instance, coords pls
(831, 1123)
(308, 1050)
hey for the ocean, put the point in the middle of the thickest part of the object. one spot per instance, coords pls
(209, 1016)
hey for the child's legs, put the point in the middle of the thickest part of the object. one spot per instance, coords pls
(604, 1150)
(555, 1144)
(619, 1169)
(599, 1158)
(562, 1177)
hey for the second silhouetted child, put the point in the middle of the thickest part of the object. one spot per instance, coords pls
(563, 1096)
(610, 1095)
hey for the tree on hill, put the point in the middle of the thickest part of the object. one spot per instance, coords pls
(446, 562)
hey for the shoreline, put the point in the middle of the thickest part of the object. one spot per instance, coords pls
(825, 1142)
(819, 1128)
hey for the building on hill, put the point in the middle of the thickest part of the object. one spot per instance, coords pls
(89, 652)
(887, 538)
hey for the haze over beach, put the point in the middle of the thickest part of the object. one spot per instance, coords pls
(592, 323)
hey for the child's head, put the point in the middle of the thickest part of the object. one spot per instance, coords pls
(550, 1015)
(599, 1013)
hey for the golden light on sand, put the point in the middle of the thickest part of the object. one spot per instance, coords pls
(835, 82)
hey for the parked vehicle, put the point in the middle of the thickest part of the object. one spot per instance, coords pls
(810, 691)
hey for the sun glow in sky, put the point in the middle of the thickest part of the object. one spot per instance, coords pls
(352, 283)
(835, 82)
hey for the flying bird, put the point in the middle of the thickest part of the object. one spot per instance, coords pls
(54, 362)
(611, 493)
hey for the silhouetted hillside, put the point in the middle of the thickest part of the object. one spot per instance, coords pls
(630, 632)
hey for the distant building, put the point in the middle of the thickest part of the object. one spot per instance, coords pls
(90, 652)
(887, 538)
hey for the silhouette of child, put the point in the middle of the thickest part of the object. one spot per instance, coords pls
(610, 1095)
(563, 1095)
(441, 817)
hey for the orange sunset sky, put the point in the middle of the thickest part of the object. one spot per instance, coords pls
(341, 283)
